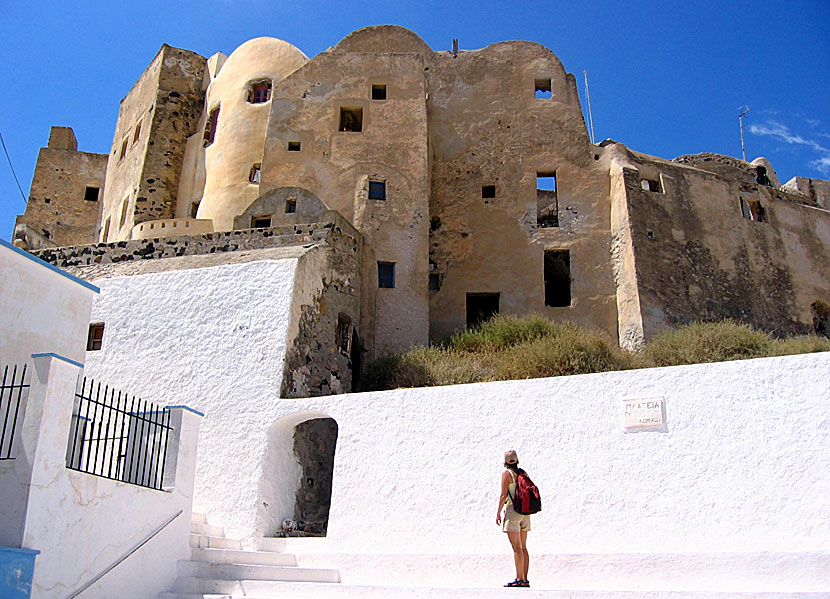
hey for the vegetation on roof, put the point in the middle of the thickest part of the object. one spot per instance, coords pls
(510, 347)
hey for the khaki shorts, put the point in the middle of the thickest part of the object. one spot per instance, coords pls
(515, 522)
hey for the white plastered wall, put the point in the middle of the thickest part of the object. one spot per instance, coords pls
(213, 339)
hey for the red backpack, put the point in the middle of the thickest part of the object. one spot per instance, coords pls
(527, 499)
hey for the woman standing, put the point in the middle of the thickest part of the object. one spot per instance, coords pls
(515, 525)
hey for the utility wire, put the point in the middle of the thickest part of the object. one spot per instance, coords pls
(14, 174)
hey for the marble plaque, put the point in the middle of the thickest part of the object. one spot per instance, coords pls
(643, 413)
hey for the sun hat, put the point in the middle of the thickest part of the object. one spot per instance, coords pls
(510, 457)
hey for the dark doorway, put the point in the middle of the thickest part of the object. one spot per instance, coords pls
(481, 307)
(557, 278)
(314, 444)
(355, 360)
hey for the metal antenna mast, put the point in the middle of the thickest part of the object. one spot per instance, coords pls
(590, 114)
(741, 121)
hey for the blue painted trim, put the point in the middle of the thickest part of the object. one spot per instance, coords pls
(59, 357)
(20, 550)
(198, 413)
(52, 267)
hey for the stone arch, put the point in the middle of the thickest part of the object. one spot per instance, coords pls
(284, 206)
(297, 475)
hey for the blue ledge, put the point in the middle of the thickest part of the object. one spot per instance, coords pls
(198, 413)
(52, 267)
(59, 357)
(20, 550)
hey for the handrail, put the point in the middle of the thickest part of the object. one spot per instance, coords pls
(125, 556)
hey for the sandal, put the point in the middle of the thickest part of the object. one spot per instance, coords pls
(515, 583)
(524, 583)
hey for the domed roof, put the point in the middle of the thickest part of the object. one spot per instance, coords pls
(265, 55)
(383, 38)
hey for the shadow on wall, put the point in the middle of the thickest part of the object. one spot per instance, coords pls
(281, 206)
(295, 490)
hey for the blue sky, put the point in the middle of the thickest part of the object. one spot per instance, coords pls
(667, 78)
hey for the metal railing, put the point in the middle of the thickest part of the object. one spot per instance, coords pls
(117, 437)
(13, 392)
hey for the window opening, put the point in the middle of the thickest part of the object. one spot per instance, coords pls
(761, 176)
(194, 208)
(260, 92)
(377, 190)
(481, 307)
(291, 205)
(253, 176)
(557, 278)
(543, 89)
(488, 191)
(753, 210)
(434, 282)
(210, 126)
(261, 222)
(378, 91)
(106, 231)
(293, 146)
(95, 339)
(651, 185)
(137, 132)
(547, 200)
(123, 212)
(344, 333)
(386, 275)
(91, 194)
(351, 119)
(123, 148)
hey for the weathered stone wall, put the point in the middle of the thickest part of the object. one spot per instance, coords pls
(155, 119)
(336, 166)
(488, 128)
(698, 258)
(814, 190)
(57, 207)
(314, 445)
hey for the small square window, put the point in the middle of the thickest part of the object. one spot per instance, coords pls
(434, 282)
(377, 190)
(253, 177)
(291, 205)
(543, 89)
(91, 194)
(488, 191)
(95, 339)
(651, 185)
(351, 119)
(378, 92)
(294, 146)
(260, 92)
(261, 222)
(386, 275)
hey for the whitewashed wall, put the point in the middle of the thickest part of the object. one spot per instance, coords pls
(212, 339)
(744, 464)
(42, 309)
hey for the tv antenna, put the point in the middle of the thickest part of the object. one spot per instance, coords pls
(590, 114)
(744, 110)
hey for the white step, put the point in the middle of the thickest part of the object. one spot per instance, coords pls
(235, 556)
(258, 589)
(194, 596)
(294, 544)
(208, 542)
(198, 518)
(202, 528)
(189, 568)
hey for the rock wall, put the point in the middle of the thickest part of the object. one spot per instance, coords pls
(314, 445)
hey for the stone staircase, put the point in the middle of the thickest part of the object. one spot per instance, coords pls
(219, 568)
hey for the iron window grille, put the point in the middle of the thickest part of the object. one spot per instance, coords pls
(14, 391)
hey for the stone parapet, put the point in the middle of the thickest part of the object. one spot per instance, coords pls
(328, 230)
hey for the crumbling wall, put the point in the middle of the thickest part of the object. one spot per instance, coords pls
(488, 129)
(323, 340)
(59, 207)
(156, 118)
(702, 254)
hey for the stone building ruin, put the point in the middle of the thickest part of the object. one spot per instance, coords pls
(429, 190)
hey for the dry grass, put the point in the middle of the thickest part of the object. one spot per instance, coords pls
(509, 348)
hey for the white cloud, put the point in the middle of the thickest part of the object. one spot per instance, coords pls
(822, 165)
(782, 132)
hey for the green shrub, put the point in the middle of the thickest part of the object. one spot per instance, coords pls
(708, 342)
(501, 332)
(806, 344)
